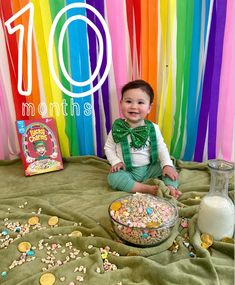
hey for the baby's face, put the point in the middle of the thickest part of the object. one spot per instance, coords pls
(135, 106)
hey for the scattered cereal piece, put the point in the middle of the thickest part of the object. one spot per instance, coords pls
(184, 223)
(4, 274)
(186, 244)
(192, 254)
(5, 232)
(79, 278)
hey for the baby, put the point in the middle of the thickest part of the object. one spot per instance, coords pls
(135, 147)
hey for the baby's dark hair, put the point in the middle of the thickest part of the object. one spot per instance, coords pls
(143, 85)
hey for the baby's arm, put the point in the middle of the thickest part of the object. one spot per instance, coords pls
(163, 154)
(111, 154)
(164, 157)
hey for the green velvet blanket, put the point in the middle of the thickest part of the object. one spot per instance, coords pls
(79, 196)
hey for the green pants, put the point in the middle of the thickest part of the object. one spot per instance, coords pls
(125, 180)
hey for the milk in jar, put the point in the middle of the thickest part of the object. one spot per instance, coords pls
(216, 211)
(216, 217)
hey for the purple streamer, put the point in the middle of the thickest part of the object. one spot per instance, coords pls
(105, 86)
(219, 38)
(99, 5)
(206, 91)
(93, 61)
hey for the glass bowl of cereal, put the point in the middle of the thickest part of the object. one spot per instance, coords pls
(143, 219)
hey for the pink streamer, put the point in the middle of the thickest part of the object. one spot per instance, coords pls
(9, 147)
(117, 28)
(3, 122)
(225, 122)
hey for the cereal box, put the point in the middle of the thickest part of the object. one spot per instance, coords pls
(40, 151)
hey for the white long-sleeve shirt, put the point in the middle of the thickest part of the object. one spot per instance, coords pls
(139, 157)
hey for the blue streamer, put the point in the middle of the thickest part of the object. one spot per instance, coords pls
(79, 63)
(192, 124)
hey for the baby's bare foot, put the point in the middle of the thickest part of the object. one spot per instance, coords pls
(144, 188)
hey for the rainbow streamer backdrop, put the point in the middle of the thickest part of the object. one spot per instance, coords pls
(184, 49)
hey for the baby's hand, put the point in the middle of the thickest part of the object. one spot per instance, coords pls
(117, 167)
(170, 171)
(174, 192)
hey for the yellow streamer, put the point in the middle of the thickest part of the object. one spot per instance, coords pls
(42, 24)
(166, 105)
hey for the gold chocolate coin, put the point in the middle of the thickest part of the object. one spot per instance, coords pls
(47, 279)
(227, 240)
(132, 253)
(115, 206)
(76, 234)
(33, 221)
(24, 246)
(205, 245)
(53, 221)
(207, 240)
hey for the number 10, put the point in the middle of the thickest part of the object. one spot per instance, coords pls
(20, 27)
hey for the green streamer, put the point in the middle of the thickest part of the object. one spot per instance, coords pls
(70, 128)
(183, 45)
(180, 45)
(187, 56)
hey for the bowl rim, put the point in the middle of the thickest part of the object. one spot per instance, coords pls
(165, 225)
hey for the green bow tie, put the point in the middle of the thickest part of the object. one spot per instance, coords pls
(139, 135)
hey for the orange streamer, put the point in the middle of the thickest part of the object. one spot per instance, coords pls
(149, 47)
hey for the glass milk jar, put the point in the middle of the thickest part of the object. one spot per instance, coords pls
(216, 211)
